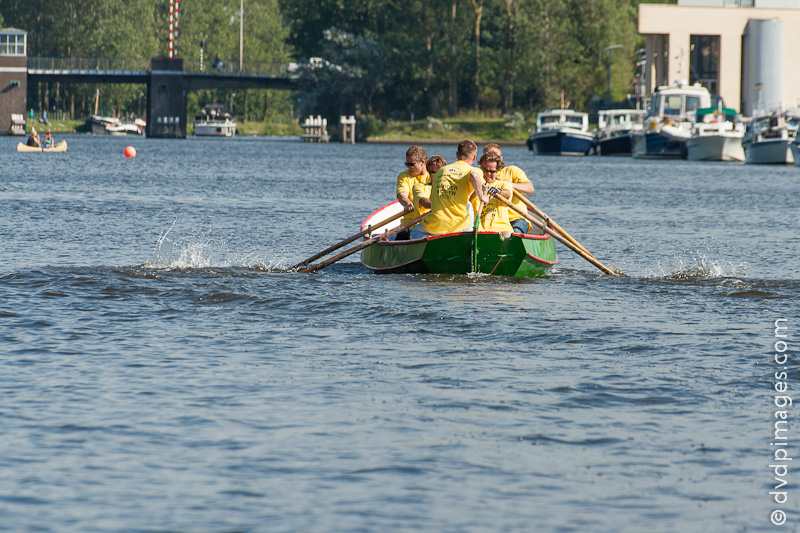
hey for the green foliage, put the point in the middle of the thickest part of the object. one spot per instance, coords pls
(392, 59)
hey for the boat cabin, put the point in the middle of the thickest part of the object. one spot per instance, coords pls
(679, 103)
(562, 118)
(619, 119)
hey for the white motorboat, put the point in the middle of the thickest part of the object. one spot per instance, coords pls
(561, 132)
(716, 136)
(214, 121)
(614, 130)
(768, 139)
(669, 121)
(795, 146)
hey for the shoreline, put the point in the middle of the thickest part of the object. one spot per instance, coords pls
(373, 140)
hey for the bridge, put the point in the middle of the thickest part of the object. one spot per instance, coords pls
(167, 81)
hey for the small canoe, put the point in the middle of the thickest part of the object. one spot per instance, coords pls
(517, 255)
(58, 147)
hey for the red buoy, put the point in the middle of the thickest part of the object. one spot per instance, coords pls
(130, 151)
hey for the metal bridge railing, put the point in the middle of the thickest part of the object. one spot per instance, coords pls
(85, 63)
(142, 65)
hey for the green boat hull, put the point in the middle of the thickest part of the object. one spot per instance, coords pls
(521, 256)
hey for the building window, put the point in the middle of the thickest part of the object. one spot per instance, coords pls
(12, 44)
(704, 62)
(739, 3)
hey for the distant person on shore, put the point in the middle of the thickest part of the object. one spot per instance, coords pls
(451, 189)
(416, 157)
(33, 140)
(421, 192)
(494, 215)
(521, 184)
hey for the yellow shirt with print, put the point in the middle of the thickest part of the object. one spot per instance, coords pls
(450, 192)
(420, 190)
(514, 174)
(494, 216)
(405, 183)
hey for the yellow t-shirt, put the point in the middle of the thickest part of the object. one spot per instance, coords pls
(420, 190)
(450, 193)
(514, 174)
(405, 183)
(494, 216)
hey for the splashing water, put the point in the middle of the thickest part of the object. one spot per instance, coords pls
(172, 255)
(702, 267)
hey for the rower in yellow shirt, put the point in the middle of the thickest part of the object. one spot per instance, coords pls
(421, 192)
(521, 184)
(416, 157)
(494, 215)
(451, 189)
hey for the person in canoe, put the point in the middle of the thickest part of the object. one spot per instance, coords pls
(421, 192)
(521, 184)
(495, 215)
(48, 141)
(416, 156)
(33, 139)
(451, 189)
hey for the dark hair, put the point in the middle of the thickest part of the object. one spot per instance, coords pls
(466, 148)
(418, 153)
(492, 157)
(435, 161)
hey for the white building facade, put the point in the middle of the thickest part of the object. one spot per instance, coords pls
(747, 51)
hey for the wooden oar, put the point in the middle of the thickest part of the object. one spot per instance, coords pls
(365, 244)
(538, 212)
(560, 238)
(348, 240)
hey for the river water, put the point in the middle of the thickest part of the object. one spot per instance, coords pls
(157, 374)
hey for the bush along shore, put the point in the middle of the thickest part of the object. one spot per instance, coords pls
(512, 129)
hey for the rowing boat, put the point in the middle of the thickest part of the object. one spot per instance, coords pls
(452, 253)
(59, 147)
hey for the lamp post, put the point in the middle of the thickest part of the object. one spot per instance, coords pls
(607, 50)
(241, 34)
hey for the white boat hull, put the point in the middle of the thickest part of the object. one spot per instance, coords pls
(769, 152)
(215, 129)
(796, 153)
(715, 148)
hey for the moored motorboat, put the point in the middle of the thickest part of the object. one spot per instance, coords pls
(669, 122)
(796, 152)
(716, 136)
(452, 253)
(561, 132)
(58, 147)
(768, 139)
(614, 130)
(214, 121)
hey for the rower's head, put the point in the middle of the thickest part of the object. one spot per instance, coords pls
(435, 162)
(491, 164)
(415, 160)
(493, 148)
(467, 150)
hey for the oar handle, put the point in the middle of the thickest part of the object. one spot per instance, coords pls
(541, 214)
(348, 240)
(366, 243)
(560, 238)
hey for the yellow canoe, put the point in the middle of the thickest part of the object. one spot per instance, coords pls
(58, 147)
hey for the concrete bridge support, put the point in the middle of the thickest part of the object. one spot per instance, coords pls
(166, 100)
